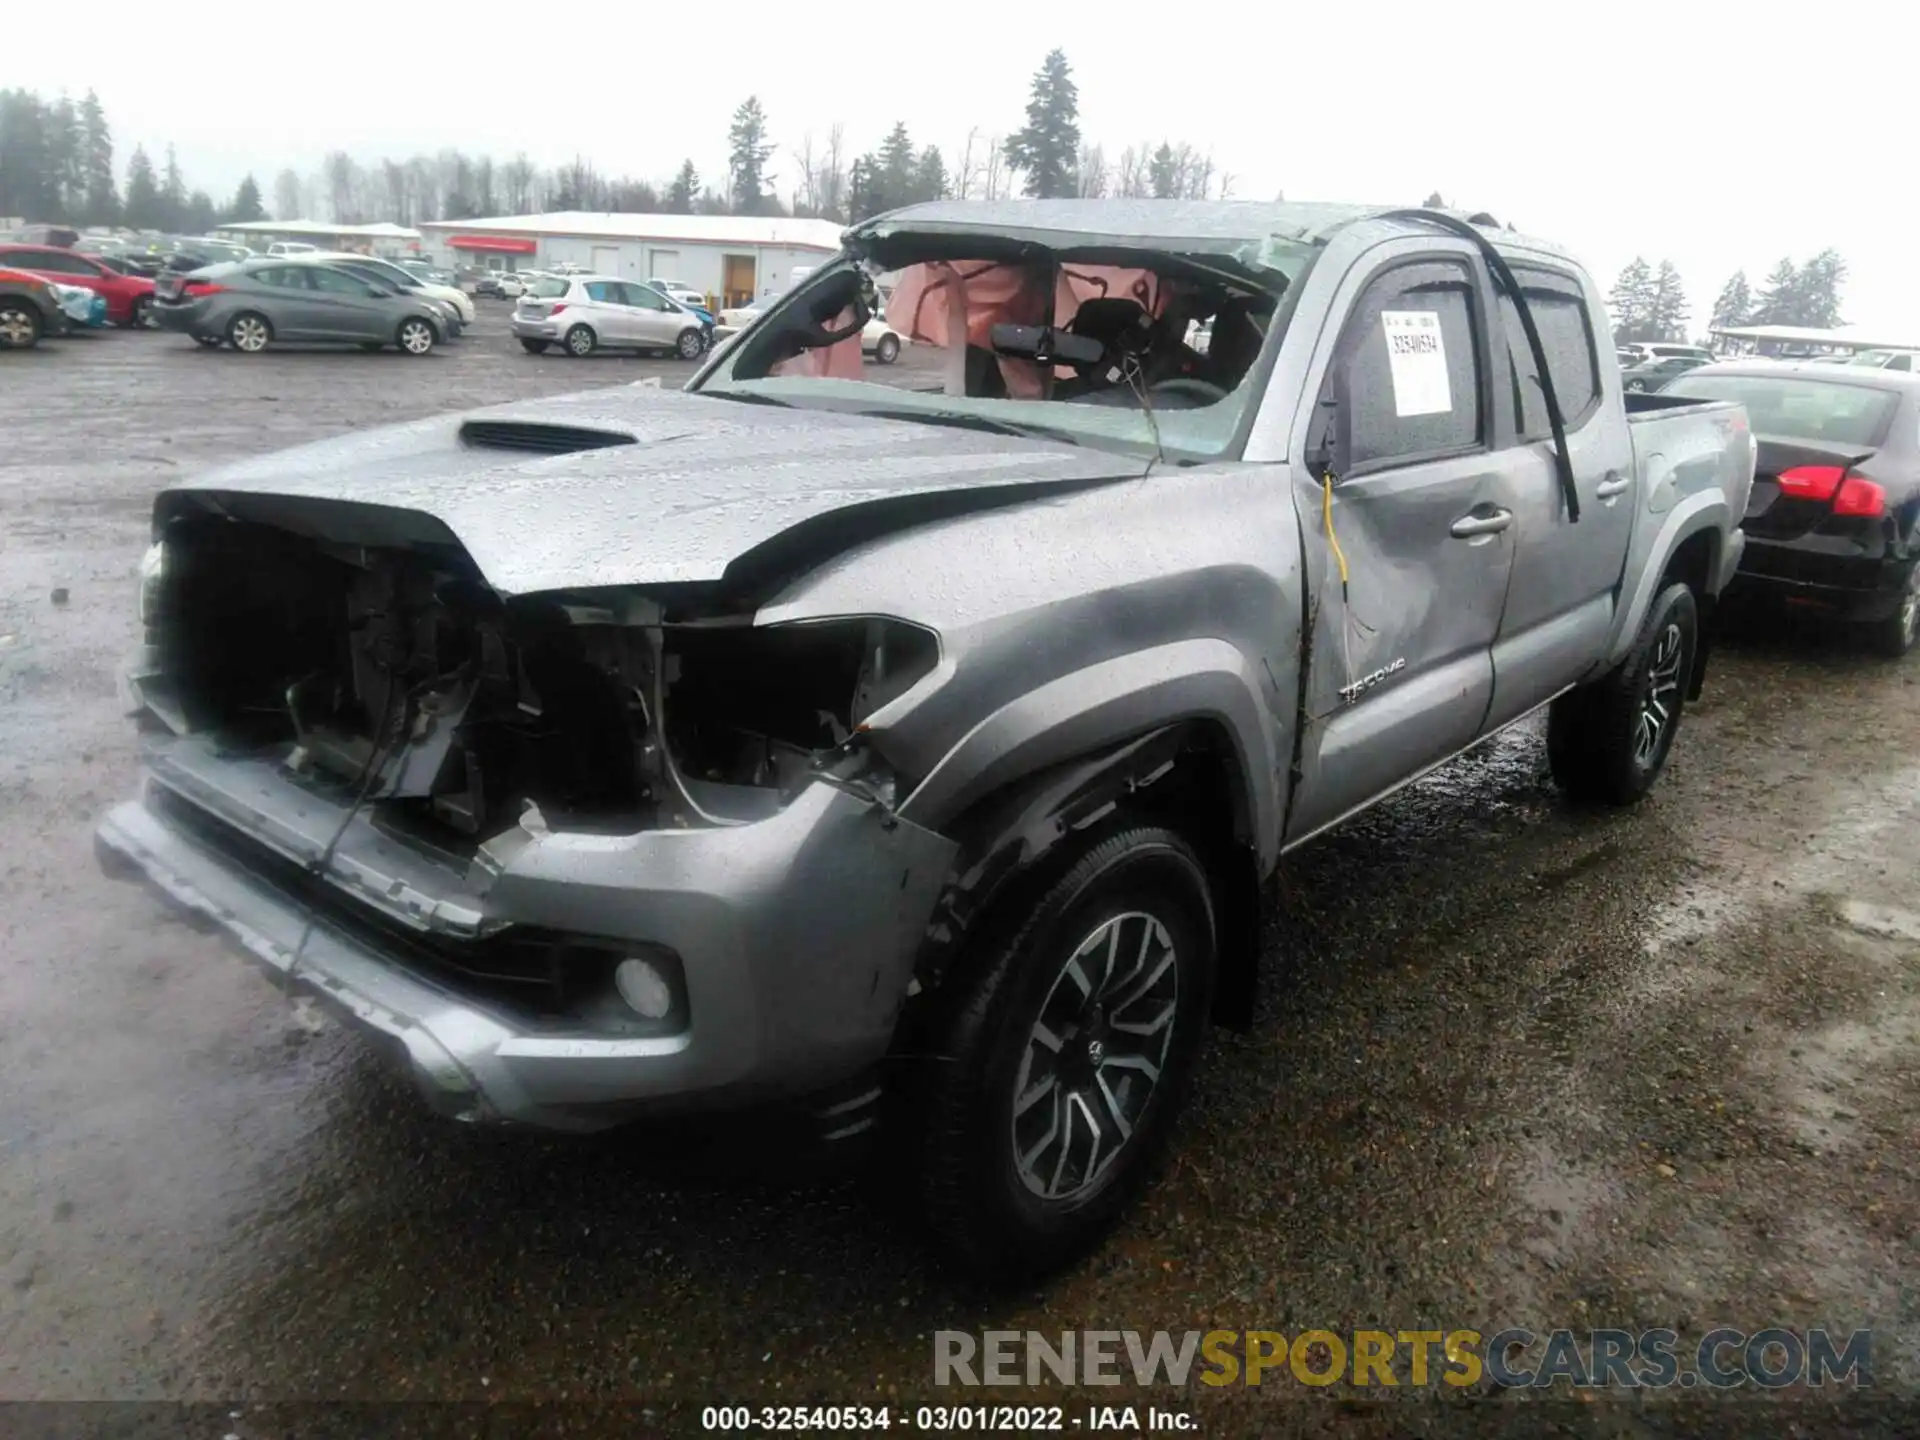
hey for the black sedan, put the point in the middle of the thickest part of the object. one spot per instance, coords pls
(1836, 490)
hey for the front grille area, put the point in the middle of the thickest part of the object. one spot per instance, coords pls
(517, 971)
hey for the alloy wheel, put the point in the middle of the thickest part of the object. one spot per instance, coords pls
(1094, 1055)
(416, 337)
(16, 328)
(1661, 701)
(249, 334)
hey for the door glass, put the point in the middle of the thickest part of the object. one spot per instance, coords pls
(1411, 366)
(607, 292)
(644, 296)
(1567, 337)
(339, 282)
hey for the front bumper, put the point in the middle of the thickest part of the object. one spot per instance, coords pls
(1834, 573)
(796, 935)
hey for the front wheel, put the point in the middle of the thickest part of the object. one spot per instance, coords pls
(141, 317)
(689, 345)
(580, 342)
(1637, 386)
(534, 347)
(1065, 1057)
(1608, 741)
(208, 342)
(415, 337)
(888, 350)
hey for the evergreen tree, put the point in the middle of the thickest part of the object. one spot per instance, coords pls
(246, 202)
(1667, 312)
(198, 216)
(748, 150)
(1819, 289)
(144, 209)
(289, 196)
(684, 190)
(66, 160)
(1735, 305)
(1780, 297)
(863, 197)
(1433, 202)
(173, 194)
(1047, 147)
(102, 205)
(895, 168)
(1631, 301)
(930, 177)
(1163, 173)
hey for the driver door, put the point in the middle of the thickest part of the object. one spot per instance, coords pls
(1400, 672)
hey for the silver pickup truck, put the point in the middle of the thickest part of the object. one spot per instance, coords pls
(920, 749)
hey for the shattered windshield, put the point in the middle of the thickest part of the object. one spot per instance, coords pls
(1095, 348)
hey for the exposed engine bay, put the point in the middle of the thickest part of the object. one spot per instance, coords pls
(396, 676)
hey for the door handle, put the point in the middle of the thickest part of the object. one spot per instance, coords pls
(1614, 484)
(1488, 522)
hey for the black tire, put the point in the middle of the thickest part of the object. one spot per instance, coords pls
(21, 324)
(534, 347)
(371, 346)
(981, 1210)
(249, 332)
(208, 342)
(1598, 744)
(1636, 385)
(416, 336)
(888, 350)
(581, 342)
(689, 346)
(141, 316)
(1894, 636)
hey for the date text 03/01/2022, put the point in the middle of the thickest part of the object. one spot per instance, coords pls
(946, 1419)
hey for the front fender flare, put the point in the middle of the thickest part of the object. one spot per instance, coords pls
(1112, 701)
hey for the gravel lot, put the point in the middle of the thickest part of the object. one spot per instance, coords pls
(1521, 1065)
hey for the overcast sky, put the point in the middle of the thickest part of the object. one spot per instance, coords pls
(1715, 135)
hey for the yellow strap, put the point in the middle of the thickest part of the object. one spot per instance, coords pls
(1326, 510)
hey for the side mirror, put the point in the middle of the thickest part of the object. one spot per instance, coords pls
(1329, 431)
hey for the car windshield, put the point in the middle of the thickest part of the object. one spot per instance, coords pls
(551, 288)
(1075, 345)
(1796, 407)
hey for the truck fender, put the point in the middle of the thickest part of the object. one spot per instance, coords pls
(1699, 514)
(1007, 841)
(1115, 700)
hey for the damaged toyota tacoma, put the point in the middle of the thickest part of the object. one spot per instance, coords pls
(920, 752)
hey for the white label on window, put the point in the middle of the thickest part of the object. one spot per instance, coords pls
(1418, 356)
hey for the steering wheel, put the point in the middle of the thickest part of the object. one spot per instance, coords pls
(1203, 391)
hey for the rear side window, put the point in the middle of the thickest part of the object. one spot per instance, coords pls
(1411, 365)
(1798, 408)
(1566, 334)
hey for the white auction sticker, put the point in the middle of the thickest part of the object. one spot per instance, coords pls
(1418, 356)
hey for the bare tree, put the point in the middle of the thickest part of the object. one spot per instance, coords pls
(289, 197)
(1133, 182)
(1092, 165)
(1227, 181)
(517, 178)
(423, 189)
(963, 177)
(829, 184)
(341, 173)
(994, 180)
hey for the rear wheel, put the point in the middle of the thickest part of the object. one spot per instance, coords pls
(888, 350)
(534, 347)
(20, 324)
(1065, 1057)
(210, 342)
(141, 317)
(689, 345)
(1608, 742)
(249, 333)
(1895, 635)
(581, 342)
(371, 345)
(416, 337)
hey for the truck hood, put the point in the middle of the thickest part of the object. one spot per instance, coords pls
(639, 485)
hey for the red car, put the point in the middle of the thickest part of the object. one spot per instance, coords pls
(129, 297)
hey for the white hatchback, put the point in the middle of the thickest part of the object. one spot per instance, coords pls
(585, 313)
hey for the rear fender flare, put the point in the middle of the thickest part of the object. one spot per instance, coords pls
(1692, 516)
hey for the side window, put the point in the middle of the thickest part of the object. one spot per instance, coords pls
(1566, 334)
(285, 277)
(645, 296)
(606, 292)
(338, 282)
(54, 263)
(1411, 365)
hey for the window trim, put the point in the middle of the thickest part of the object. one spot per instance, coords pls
(1514, 434)
(1484, 419)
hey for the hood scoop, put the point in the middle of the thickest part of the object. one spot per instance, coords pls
(538, 439)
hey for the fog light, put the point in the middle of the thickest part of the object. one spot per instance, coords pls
(644, 988)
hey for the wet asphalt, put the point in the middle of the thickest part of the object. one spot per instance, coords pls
(1515, 1064)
